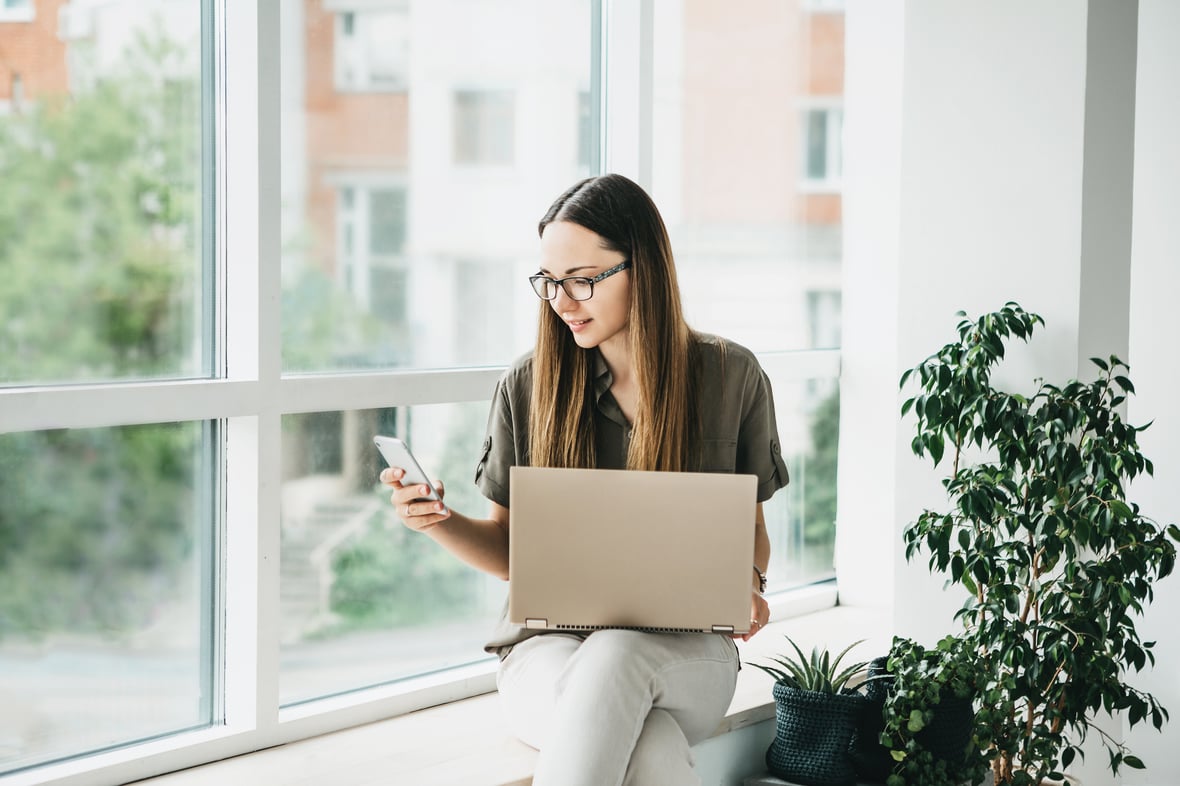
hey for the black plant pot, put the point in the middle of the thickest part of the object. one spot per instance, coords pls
(870, 758)
(947, 737)
(813, 734)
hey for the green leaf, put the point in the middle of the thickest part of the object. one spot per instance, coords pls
(1120, 509)
(1134, 762)
(934, 444)
(1100, 363)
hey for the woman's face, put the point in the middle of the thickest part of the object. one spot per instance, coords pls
(569, 249)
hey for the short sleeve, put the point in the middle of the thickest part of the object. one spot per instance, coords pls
(759, 451)
(505, 440)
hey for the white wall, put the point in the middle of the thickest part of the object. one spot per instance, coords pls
(1002, 174)
(1154, 359)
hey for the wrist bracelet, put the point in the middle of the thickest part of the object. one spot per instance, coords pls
(761, 580)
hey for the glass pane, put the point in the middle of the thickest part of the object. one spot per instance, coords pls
(416, 150)
(101, 209)
(106, 564)
(801, 519)
(364, 600)
(816, 142)
(755, 244)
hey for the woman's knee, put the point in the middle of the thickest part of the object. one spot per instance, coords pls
(614, 651)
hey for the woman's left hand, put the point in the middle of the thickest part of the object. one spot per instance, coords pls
(759, 616)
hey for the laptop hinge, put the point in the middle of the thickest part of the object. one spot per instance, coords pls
(541, 623)
(723, 629)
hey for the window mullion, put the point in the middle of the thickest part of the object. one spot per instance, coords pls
(628, 88)
(252, 354)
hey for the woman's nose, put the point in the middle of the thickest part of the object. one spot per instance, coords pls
(562, 301)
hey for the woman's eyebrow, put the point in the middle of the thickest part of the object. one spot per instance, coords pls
(571, 270)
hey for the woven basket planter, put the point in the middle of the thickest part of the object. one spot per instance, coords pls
(813, 734)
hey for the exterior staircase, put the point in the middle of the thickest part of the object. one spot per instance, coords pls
(317, 519)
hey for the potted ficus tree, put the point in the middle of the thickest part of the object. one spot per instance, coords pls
(816, 713)
(1056, 562)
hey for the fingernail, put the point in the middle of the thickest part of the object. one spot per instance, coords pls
(438, 507)
(421, 489)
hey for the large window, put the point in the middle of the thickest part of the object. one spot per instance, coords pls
(407, 241)
(758, 250)
(224, 267)
(364, 600)
(109, 524)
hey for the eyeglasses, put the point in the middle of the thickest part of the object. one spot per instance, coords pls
(576, 287)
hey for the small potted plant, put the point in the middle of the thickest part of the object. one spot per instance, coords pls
(919, 726)
(1056, 562)
(816, 713)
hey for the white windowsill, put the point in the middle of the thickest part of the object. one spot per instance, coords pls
(466, 742)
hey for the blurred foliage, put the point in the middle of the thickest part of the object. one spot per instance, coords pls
(391, 576)
(324, 329)
(100, 227)
(103, 277)
(100, 278)
(819, 482)
(96, 526)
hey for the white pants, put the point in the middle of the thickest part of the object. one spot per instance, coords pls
(621, 707)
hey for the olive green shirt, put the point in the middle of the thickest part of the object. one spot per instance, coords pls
(739, 432)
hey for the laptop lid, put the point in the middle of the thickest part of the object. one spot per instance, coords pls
(595, 548)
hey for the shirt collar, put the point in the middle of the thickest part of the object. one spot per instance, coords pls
(602, 376)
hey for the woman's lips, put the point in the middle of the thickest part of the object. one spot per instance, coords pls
(577, 325)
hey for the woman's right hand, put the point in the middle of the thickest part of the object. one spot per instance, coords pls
(410, 503)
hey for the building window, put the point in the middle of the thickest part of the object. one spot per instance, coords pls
(822, 154)
(823, 318)
(371, 243)
(823, 6)
(372, 50)
(17, 11)
(484, 127)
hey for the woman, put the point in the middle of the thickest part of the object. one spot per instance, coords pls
(617, 380)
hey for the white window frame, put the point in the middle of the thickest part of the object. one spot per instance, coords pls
(252, 394)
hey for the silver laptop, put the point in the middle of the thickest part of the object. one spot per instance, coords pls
(596, 548)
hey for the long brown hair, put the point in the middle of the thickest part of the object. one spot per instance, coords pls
(666, 431)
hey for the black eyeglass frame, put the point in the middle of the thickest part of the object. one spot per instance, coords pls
(590, 282)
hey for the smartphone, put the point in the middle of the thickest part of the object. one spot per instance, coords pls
(397, 454)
